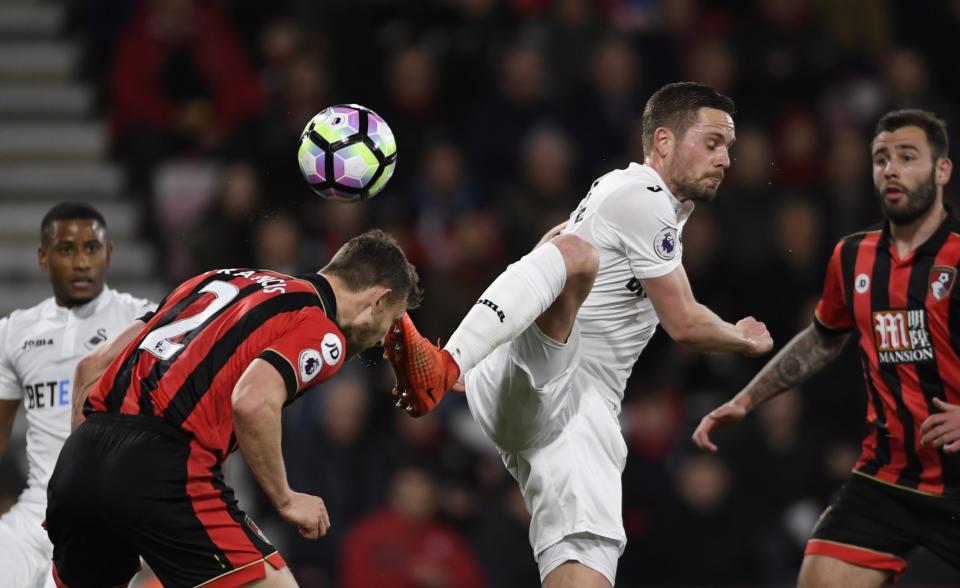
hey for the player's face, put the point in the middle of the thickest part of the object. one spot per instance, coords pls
(76, 253)
(368, 331)
(905, 175)
(702, 156)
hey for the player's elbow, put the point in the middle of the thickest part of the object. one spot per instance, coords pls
(680, 328)
(683, 333)
(248, 403)
(245, 402)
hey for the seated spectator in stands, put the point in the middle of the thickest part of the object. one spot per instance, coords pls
(180, 84)
(404, 545)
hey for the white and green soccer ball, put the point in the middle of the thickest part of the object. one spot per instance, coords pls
(347, 153)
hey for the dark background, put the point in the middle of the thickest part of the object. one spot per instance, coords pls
(504, 112)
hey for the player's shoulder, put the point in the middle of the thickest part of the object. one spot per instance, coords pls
(640, 184)
(119, 297)
(632, 176)
(23, 318)
(115, 299)
(859, 235)
(24, 321)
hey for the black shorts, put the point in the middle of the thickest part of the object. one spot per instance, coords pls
(126, 487)
(877, 525)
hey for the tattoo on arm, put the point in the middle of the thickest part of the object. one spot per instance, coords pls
(805, 355)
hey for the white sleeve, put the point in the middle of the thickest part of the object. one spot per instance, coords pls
(645, 225)
(10, 388)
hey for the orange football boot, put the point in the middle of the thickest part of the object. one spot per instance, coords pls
(424, 371)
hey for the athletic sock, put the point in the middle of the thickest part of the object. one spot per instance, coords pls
(509, 305)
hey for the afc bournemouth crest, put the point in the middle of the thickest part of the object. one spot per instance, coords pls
(942, 278)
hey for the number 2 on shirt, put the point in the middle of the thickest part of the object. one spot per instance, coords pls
(159, 341)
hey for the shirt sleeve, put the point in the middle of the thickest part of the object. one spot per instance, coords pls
(644, 224)
(832, 312)
(10, 388)
(145, 309)
(309, 353)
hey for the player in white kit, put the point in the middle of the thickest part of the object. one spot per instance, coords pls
(39, 351)
(547, 349)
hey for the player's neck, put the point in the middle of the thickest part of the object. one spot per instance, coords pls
(657, 165)
(906, 237)
(350, 305)
(70, 303)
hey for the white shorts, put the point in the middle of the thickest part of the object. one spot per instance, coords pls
(26, 553)
(597, 553)
(557, 436)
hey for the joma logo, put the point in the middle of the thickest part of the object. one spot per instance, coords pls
(492, 306)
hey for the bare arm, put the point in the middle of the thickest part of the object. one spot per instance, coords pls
(91, 367)
(805, 355)
(691, 323)
(257, 402)
(8, 413)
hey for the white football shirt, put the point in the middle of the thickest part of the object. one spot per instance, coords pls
(635, 223)
(39, 350)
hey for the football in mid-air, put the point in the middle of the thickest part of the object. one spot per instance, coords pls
(347, 153)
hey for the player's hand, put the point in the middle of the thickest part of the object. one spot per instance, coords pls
(724, 415)
(757, 336)
(307, 513)
(942, 429)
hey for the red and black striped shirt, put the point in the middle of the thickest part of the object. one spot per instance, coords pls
(185, 362)
(907, 315)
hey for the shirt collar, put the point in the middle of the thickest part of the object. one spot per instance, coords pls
(682, 209)
(327, 298)
(82, 311)
(933, 243)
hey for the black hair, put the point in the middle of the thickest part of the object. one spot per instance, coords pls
(65, 211)
(935, 128)
(375, 258)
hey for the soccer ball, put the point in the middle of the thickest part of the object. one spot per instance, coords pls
(347, 153)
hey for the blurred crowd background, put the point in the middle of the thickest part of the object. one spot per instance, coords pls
(504, 112)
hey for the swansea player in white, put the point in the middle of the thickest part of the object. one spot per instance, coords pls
(547, 349)
(39, 351)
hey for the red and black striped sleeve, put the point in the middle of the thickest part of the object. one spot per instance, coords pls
(832, 312)
(310, 353)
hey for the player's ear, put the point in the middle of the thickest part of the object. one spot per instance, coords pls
(42, 257)
(381, 297)
(663, 140)
(943, 168)
(109, 252)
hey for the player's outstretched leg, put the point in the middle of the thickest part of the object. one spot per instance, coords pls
(582, 263)
(547, 285)
(521, 294)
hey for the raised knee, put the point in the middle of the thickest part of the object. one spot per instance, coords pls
(580, 257)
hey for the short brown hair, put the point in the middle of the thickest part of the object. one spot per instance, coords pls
(376, 259)
(675, 107)
(935, 128)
